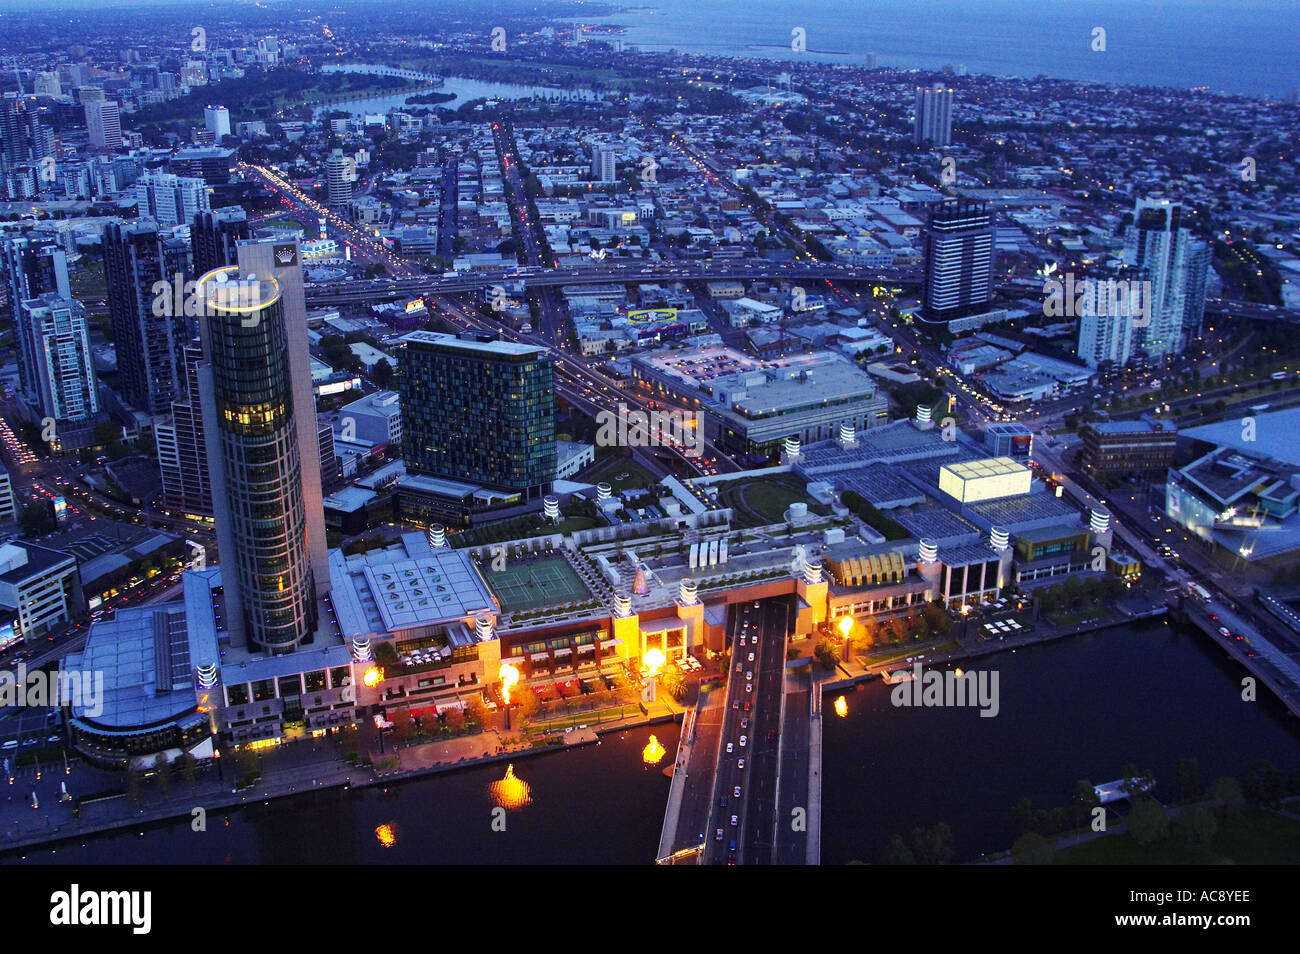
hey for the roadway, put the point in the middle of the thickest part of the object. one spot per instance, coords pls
(749, 747)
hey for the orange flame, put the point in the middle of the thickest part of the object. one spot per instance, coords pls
(509, 676)
(653, 660)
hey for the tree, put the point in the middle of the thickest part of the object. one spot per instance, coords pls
(933, 845)
(827, 654)
(1262, 783)
(189, 766)
(131, 785)
(455, 720)
(382, 374)
(1189, 778)
(1032, 848)
(1147, 822)
(37, 520)
(1225, 794)
(1196, 826)
(164, 778)
(526, 701)
(897, 852)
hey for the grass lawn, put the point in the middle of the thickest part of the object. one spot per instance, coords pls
(763, 497)
(594, 717)
(571, 524)
(1070, 619)
(1255, 837)
(625, 475)
(902, 651)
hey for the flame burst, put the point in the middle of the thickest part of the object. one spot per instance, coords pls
(653, 660)
(653, 752)
(510, 792)
(841, 707)
(373, 677)
(509, 676)
(387, 835)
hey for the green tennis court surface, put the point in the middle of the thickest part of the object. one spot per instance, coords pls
(542, 582)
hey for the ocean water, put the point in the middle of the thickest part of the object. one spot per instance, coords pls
(1249, 47)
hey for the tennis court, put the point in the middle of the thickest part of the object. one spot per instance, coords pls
(543, 582)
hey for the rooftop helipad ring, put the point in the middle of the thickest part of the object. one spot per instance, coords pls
(240, 297)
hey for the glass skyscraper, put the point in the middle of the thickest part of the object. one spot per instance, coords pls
(261, 438)
(478, 411)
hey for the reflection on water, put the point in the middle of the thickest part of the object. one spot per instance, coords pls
(510, 792)
(601, 806)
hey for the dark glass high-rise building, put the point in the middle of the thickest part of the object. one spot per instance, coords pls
(480, 411)
(149, 330)
(262, 447)
(33, 267)
(959, 242)
(182, 451)
(213, 236)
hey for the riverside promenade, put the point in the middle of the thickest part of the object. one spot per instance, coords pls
(290, 769)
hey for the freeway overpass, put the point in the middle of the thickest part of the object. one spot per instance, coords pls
(334, 293)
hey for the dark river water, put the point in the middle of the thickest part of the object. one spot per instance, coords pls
(594, 804)
(1075, 709)
(1080, 708)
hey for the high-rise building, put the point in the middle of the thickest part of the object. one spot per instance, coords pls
(213, 235)
(338, 183)
(78, 74)
(959, 243)
(933, 123)
(148, 332)
(1160, 242)
(65, 384)
(217, 121)
(8, 500)
(456, 390)
(604, 164)
(33, 267)
(14, 147)
(261, 436)
(1112, 319)
(170, 199)
(330, 472)
(104, 123)
(182, 447)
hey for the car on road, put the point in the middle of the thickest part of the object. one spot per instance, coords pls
(746, 706)
(734, 820)
(1224, 631)
(717, 835)
(729, 747)
(749, 674)
(736, 791)
(740, 762)
(743, 740)
(751, 657)
(749, 687)
(744, 722)
(755, 604)
(735, 704)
